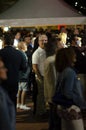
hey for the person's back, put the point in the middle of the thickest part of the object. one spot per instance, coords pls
(7, 110)
(14, 61)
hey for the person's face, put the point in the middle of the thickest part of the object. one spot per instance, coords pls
(18, 36)
(24, 47)
(43, 41)
(3, 71)
(76, 31)
(28, 40)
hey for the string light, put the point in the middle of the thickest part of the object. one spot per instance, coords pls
(79, 5)
(76, 3)
(6, 29)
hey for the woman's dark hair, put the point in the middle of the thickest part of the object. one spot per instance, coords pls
(64, 59)
(51, 47)
(8, 39)
(25, 36)
(15, 32)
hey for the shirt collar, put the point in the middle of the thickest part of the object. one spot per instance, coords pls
(41, 49)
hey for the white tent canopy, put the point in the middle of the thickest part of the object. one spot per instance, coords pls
(40, 12)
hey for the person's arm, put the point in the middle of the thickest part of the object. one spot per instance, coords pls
(72, 91)
(36, 70)
(35, 62)
(69, 83)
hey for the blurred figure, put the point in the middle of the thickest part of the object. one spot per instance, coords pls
(50, 83)
(17, 37)
(29, 52)
(76, 32)
(69, 85)
(63, 36)
(49, 33)
(7, 110)
(32, 85)
(14, 62)
(80, 64)
(23, 80)
(76, 41)
(38, 59)
(59, 43)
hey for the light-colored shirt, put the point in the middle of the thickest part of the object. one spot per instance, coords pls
(63, 37)
(49, 78)
(38, 58)
(15, 44)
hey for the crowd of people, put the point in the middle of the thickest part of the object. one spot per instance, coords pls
(51, 67)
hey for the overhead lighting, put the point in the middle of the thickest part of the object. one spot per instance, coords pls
(81, 7)
(6, 29)
(80, 12)
(76, 3)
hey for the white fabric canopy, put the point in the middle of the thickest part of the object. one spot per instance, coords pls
(40, 12)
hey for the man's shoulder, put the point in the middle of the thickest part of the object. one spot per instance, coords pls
(11, 50)
(36, 52)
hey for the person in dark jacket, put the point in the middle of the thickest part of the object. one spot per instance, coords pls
(69, 85)
(29, 52)
(7, 110)
(80, 65)
(14, 62)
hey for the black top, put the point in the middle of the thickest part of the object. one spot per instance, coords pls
(80, 65)
(14, 62)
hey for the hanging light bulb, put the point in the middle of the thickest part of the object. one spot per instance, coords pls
(76, 3)
(6, 29)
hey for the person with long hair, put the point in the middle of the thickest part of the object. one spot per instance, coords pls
(69, 85)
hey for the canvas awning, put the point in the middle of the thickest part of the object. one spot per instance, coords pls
(40, 12)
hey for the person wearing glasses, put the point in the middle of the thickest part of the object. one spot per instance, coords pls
(38, 59)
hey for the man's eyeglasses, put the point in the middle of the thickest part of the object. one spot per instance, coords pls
(44, 40)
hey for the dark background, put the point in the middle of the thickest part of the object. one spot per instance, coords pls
(81, 6)
(5, 4)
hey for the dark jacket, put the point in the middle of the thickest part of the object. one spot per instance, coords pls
(7, 112)
(29, 53)
(80, 65)
(23, 76)
(14, 62)
(73, 88)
